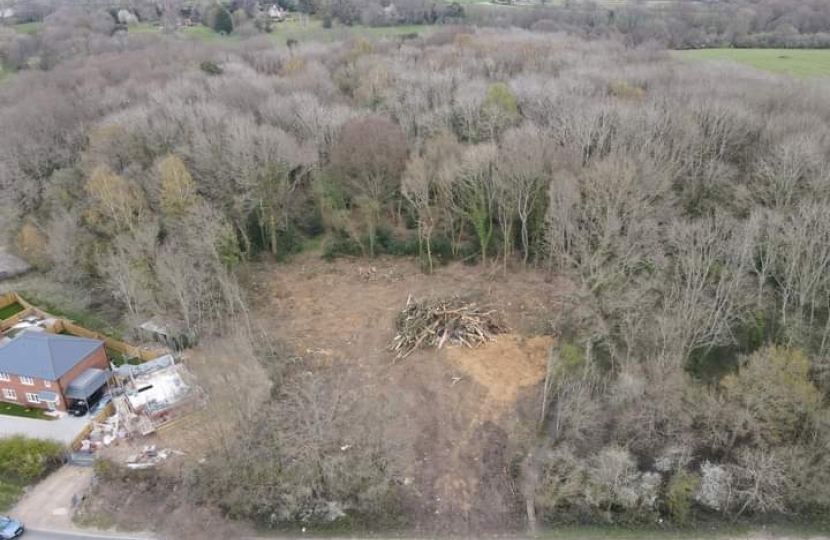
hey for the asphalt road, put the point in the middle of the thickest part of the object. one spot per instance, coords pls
(55, 535)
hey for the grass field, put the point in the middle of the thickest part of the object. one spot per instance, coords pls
(798, 62)
(8, 311)
(293, 29)
(11, 409)
(28, 28)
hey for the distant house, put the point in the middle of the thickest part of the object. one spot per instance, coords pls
(276, 13)
(50, 371)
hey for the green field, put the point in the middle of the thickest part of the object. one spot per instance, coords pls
(28, 28)
(293, 29)
(799, 62)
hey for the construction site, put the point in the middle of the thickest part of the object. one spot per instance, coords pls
(148, 386)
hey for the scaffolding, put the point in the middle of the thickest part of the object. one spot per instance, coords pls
(150, 395)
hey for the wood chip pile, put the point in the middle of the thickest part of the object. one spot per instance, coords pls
(434, 323)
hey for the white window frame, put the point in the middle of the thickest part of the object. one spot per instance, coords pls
(27, 381)
(5, 377)
(9, 393)
(32, 398)
(47, 384)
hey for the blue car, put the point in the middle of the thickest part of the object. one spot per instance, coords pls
(9, 528)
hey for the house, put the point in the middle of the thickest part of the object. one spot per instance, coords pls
(50, 371)
(276, 13)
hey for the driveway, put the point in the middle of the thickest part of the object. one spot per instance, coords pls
(63, 429)
(48, 505)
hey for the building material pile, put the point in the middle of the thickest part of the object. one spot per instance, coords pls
(435, 323)
(150, 395)
(149, 457)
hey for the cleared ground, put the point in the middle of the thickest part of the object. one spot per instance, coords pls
(456, 413)
(48, 505)
(799, 62)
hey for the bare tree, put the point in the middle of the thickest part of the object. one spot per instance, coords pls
(707, 267)
(473, 193)
(522, 171)
(422, 182)
(369, 159)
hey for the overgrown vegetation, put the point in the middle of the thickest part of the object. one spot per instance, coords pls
(24, 461)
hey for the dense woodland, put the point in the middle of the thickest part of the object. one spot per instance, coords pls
(688, 203)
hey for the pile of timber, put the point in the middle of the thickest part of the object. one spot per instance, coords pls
(434, 323)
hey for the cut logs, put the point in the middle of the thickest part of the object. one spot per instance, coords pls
(435, 323)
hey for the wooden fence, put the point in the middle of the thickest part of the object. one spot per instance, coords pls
(67, 326)
(102, 415)
(63, 325)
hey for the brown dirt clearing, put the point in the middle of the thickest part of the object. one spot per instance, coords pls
(455, 411)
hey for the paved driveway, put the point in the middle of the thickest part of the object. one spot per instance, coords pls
(63, 429)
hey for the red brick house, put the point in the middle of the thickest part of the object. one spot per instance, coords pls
(50, 371)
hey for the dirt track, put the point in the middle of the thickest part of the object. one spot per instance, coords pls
(48, 505)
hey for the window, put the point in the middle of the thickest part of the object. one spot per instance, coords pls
(47, 384)
(9, 393)
(28, 381)
(32, 398)
(5, 377)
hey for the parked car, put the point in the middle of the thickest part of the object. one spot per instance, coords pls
(10, 528)
(80, 407)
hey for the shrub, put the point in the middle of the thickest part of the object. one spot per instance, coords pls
(341, 245)
(499, 96)
(223, 22)
(9, 493)
(210, 67)
(27, 460)
(33, 245)
(680, 495)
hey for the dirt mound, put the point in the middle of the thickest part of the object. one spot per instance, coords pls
(505, 366)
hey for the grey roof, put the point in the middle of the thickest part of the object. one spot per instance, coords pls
(44, 356)
(48, 396)
(87, 383)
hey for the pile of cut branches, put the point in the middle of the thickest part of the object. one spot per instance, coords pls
(435, 323)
